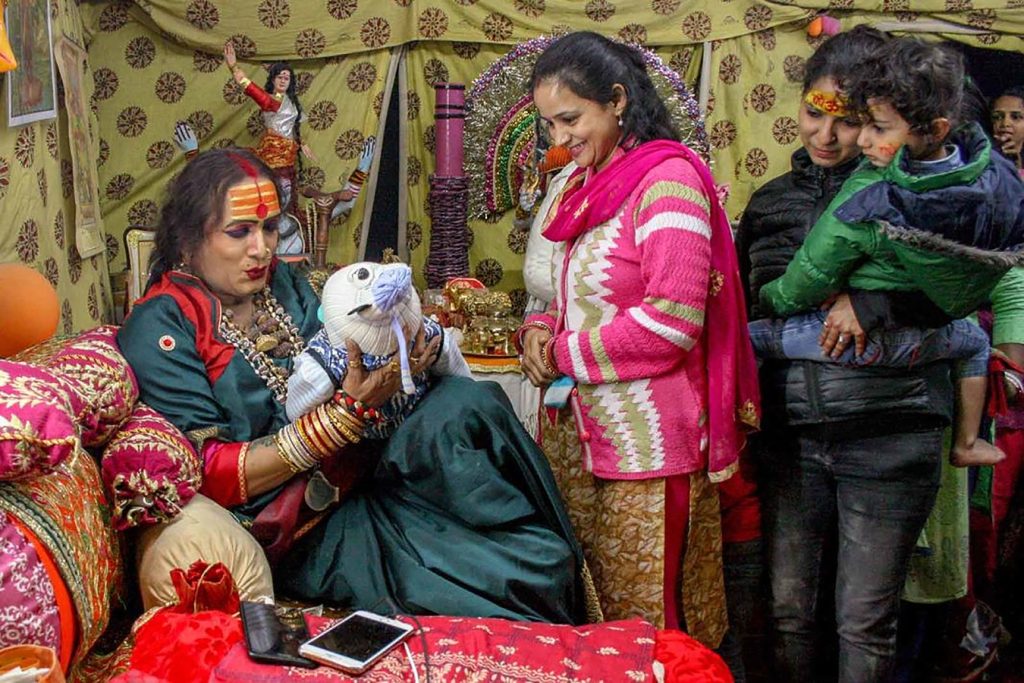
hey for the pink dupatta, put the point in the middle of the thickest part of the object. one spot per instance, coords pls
(733, 401)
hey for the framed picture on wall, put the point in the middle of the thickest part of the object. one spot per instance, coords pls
(32, 87)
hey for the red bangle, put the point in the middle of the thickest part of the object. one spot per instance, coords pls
(550, 363)
(358, 408)
(526, 327)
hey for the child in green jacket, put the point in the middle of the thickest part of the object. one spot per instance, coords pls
(931, 209)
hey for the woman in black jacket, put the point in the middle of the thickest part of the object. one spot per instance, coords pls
(849, 457)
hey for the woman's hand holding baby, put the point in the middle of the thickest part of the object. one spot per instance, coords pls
(375, 387)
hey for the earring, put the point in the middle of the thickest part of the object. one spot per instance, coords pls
(267, 251)
(620, 121)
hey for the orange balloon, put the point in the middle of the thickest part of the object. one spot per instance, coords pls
(29, 309)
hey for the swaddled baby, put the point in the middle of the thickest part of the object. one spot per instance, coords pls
(376, 306)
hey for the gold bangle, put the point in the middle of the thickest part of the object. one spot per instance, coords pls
(328, 445)
(547, 354)
(519, 338)
(337, 422)
(347, 418)
(315, 452)
(295, 451)
(328, 430)
(282, 451)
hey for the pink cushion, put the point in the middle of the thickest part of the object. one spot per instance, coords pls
(38, 413)
(150, 469)
(93, 361)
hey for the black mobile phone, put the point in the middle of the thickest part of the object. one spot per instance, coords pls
(274, 633)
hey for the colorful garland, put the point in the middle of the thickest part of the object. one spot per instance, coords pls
(502, 123)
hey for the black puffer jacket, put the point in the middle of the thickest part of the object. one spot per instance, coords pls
(778, 218)
(844, 402)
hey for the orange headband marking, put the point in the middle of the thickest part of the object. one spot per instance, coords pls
(832, 103)
(253, 202)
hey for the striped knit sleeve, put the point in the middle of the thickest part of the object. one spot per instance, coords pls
(670, 219)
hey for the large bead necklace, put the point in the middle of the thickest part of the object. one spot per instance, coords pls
(272, 334)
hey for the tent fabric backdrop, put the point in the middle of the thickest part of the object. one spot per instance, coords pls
(156, 62)
(37, 202)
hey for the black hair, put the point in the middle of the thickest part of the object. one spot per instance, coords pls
(975, 107)
(1013, 91)
(921, 81)
(195, 200)
(275, 69)
(843, 54)
(590, 64)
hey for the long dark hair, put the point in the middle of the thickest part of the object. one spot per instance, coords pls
(842, 55)
(195, 200)
(275, 69)
(590, 65)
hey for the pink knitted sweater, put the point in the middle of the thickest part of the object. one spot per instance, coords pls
(628, 318)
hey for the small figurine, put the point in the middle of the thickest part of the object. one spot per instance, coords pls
(282, 116)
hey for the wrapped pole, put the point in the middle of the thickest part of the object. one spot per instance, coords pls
(448, 256)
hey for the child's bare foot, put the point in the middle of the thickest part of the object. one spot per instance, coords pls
(979, 453)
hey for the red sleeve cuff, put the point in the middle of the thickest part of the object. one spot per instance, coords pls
(224, 472)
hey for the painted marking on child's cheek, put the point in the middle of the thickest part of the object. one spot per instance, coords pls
(888, 150)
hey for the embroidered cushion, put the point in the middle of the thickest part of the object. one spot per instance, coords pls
(38, 413)
(150, 470)
(67, 512)
(27, 602)
(93, 361)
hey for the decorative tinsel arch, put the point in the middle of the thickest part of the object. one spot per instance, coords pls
(501, 124)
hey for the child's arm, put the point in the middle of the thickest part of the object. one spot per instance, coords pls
(309, 385)
(450, 361)
(833, 249)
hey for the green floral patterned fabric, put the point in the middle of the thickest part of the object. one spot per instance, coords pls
(156, 62)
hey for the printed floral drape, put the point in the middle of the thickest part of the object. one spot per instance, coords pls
(157, 62)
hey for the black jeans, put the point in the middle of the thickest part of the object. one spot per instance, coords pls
(872, 495)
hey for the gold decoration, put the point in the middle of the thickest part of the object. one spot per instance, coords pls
(715, 282)
(747, 414)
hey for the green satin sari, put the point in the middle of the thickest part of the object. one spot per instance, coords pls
(461, 517)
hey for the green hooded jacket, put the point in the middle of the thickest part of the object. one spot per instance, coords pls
(952, 235)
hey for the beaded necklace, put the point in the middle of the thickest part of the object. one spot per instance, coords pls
(271, 334)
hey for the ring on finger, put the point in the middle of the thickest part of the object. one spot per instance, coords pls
(841, 339)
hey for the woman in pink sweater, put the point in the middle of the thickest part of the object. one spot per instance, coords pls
(659, 401)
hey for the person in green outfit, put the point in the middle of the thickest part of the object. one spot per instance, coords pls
(459, 513)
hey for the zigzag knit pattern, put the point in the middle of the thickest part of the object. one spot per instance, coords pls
(636, 288)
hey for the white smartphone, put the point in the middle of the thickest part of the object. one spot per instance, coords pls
(356, 642)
